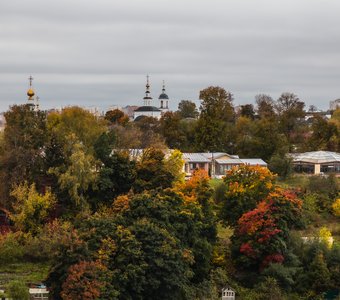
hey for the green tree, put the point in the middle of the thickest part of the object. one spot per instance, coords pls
(324, 135)
(318, 276)
(171, 130)
(22, 149)
(281, 164)
(187, 109)
(152, 172)
(116, 177)
(215, 121)
(77, 122)
(77, 175)
(17, 290)
(270, 290)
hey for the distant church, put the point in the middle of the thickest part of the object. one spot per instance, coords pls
(148, 110)
(32, 101)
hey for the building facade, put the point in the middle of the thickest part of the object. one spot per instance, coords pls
(148, 109)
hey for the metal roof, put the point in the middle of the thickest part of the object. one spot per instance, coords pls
(147, 108)
(195, 157)
(253, 161)
(215, 155)
(316, 157)
(232, 161)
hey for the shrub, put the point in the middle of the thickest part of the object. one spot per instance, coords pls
(10, 248)
(17, 290)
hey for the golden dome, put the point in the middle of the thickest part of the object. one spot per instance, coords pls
(30, 93)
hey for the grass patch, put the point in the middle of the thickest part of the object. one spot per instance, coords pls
(26, 272)
(295, 181)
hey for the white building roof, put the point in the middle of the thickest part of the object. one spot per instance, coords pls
(195, 157)
(316, 157)
(253, 161)
(215, 155)
(231, 161)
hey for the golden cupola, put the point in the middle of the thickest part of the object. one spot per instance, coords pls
(30, 92)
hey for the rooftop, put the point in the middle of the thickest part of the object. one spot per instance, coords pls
(316, 157)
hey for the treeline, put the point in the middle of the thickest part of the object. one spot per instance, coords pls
(116, 227)
(268, 130)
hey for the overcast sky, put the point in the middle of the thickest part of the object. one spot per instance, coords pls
(97, 53)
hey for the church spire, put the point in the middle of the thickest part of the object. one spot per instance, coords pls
(147, 99)
(30, 92)
(32, 101)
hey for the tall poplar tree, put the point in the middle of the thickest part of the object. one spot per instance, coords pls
(214, 128)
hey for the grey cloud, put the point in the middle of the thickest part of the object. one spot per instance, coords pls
(98, 52)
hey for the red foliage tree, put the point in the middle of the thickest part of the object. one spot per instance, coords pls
(82, 281)
(261, 233)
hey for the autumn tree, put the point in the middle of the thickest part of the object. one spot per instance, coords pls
(187, 109)
(265, 106)
(152, 247)
(83, 281)
(261, 234)
(31, 209)
(74, 121)
(116, 116)
(149, 128)
(324, 135)
(246, 186)
(248, 111)
(216, 118)
(22, 150)
(290, 111)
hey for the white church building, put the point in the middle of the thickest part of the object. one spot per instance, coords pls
(148, 110)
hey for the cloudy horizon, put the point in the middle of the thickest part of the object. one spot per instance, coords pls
(97, 53)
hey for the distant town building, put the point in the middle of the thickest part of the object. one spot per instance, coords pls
(148, 110)
(316, 162)
(129, 110)
(228, 293)
(216, 163)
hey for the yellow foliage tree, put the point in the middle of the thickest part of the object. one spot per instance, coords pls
(336, 207)
(326, 237)
(31, 209)
(174, 164)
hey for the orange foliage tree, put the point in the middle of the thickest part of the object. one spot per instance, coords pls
(246, 186)
(83, 281)
(261, 234)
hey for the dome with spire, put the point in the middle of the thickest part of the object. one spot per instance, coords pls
(163, 96)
